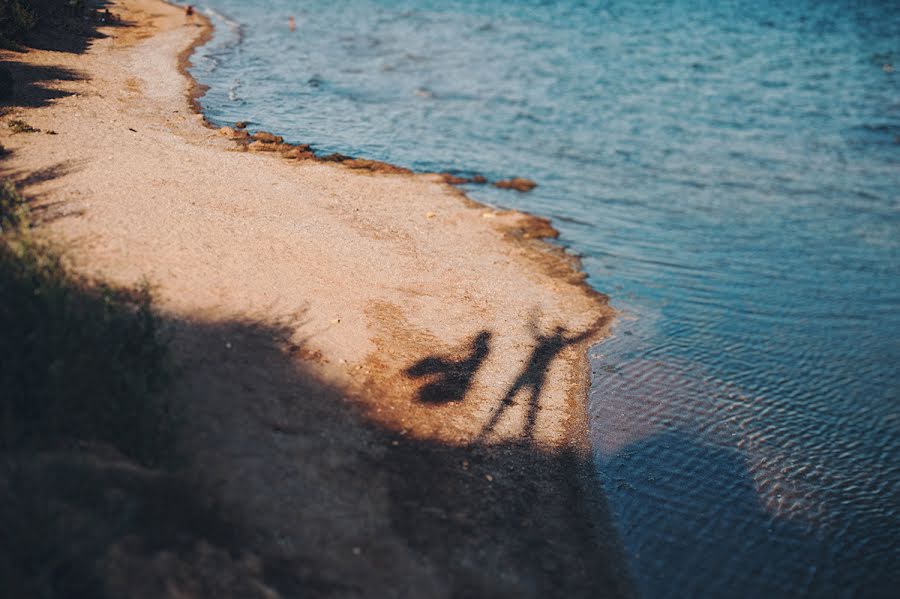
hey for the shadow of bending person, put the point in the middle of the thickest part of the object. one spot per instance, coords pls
(452, 377)
(532, 378)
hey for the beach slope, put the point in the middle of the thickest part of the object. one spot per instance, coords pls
(383, 381)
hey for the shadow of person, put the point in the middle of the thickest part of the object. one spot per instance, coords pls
(531, 379)
(452, 378)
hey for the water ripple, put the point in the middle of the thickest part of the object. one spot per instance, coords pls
(729, 171)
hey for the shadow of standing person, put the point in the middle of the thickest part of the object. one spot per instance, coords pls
(454, 377)
(532, 378)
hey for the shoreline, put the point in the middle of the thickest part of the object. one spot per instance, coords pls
(541, 229)
(536, 229)
(274, 275)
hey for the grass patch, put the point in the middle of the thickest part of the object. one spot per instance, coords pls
(13, 210)
(20, 126)
(79, 360)
(16, 18)
(82, 369)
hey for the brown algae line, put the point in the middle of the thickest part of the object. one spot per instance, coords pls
(535, 230)
(196, 90)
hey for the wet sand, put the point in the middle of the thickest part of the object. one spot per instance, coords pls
(383, 380)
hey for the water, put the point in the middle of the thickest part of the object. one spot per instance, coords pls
(730, 172)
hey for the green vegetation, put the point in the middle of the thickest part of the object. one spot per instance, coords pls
(20, 126)
(16, 17)
(13, 209)
(82, 367)
(80, 361)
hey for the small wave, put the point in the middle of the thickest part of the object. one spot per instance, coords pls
(228, 32)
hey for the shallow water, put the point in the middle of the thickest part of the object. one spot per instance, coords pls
(730, 173)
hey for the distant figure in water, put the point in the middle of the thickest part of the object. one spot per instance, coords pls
(189, 10)
(292, 24)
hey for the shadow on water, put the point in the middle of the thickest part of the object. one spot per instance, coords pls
(674, 548)
(452, 378)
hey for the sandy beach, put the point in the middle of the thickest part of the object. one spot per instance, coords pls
(384, 381)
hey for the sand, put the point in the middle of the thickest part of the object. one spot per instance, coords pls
(384, 380)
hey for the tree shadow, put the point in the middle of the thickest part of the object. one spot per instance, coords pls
(70, 27)
(514, 521)
(692, 520)
(450, 378)
(350, 508)
(287, 488)
(25, 179)
(316, 498)
(41, 210)
(30, 83)
(66, 511)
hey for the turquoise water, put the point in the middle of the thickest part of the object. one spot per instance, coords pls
(730, 172)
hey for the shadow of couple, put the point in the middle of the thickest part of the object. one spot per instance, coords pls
(451, 378)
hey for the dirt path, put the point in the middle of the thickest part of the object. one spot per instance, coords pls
(386, 380)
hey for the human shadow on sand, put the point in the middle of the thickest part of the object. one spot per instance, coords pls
(450, 378)
(533, 376)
